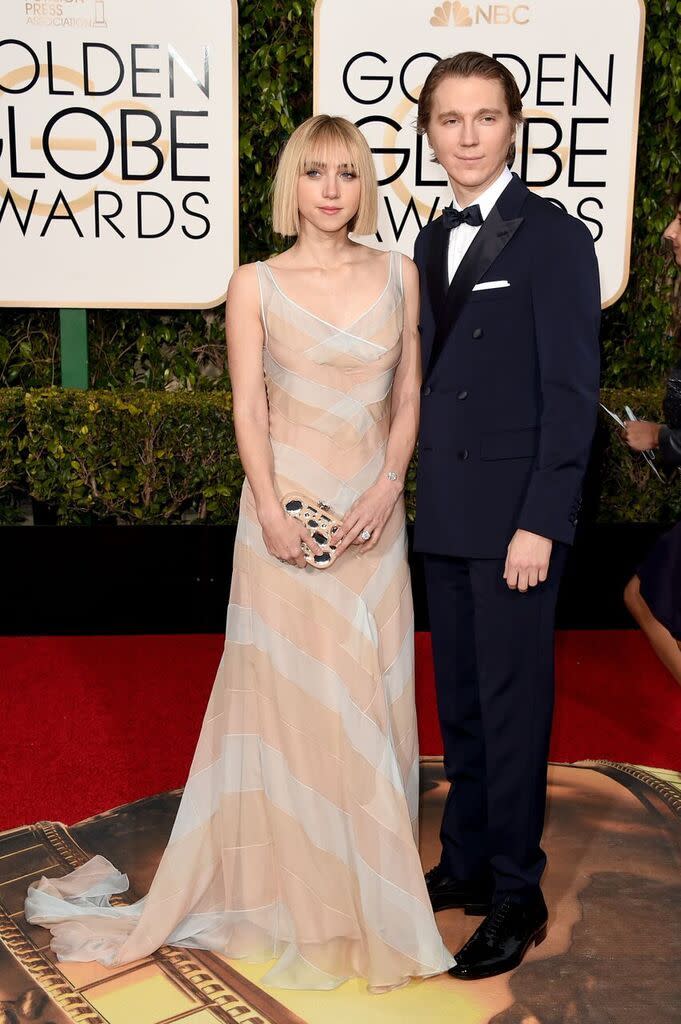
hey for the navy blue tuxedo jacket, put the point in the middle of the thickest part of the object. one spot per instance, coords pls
(510, 379)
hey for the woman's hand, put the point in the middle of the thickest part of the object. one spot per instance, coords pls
(284, 536)
(641, 435)
(370, 512)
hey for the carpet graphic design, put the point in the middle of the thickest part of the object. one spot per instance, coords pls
(613, 887)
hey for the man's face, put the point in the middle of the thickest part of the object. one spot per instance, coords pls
(470, 130)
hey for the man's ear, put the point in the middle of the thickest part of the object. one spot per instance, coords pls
(510, 156)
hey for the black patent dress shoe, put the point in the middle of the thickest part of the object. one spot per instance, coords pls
(447, 892)
(501, 941)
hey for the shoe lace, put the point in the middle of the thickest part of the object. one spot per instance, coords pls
(497, 919)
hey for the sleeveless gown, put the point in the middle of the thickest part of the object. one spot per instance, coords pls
(295, 838)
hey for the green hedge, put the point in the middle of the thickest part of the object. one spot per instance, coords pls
(13, 444)
(185, 349)
(134, 456)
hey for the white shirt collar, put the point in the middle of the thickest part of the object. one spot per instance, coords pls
(489, 197)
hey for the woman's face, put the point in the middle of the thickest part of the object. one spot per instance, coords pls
(329, 192)
(672, 235)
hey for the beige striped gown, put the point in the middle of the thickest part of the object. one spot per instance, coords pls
(295, 839)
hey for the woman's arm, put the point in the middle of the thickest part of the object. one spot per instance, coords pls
(372, 509)
(245, 337)
(406, 396)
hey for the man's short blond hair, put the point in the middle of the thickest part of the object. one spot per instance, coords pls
(313, 143)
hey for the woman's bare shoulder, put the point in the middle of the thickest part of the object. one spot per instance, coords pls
(243, 282)
(246, 272)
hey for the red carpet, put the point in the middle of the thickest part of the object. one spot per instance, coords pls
(92, 722)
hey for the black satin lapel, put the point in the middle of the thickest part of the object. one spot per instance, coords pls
(490, 240)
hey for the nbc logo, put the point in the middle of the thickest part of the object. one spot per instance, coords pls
(457, 13)
(460, 15)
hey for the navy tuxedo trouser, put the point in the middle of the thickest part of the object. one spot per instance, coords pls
(493, 651)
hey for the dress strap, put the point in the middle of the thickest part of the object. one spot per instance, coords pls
(396, 271)
(266, 283)
(266, 286)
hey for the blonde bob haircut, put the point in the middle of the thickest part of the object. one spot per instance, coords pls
(311, 145)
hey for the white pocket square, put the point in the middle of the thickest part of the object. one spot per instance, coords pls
(484, 285)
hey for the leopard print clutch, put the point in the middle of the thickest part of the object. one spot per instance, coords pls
(321, 524)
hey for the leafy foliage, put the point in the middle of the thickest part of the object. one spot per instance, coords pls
(29, 348)
(12, 453)
(133, 456)
(176, 350)
(639, 332)
(275, 76)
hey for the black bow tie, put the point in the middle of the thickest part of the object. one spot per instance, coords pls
(451, 218)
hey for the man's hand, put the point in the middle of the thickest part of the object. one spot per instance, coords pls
(641, 435)
(527, 560)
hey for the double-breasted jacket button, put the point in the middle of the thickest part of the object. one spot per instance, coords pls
(462, 395)
(427, 389)
(463, 454)
(477, 333)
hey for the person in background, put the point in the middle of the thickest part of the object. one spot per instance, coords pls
(653, 594)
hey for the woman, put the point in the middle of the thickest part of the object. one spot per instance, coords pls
(295, 837)
(653, 596)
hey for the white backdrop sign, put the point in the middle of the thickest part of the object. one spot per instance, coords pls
(118, 152)
(578, 66)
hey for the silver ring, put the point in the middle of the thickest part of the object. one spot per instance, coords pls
(365, 534)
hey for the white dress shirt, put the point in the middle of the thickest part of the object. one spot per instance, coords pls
(460, 238)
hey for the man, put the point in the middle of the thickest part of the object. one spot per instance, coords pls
(510, 313)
